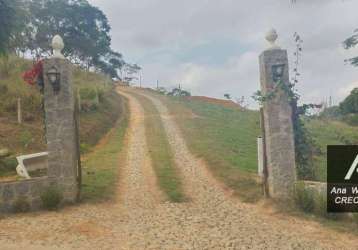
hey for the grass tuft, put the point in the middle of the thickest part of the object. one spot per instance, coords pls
(160, 152)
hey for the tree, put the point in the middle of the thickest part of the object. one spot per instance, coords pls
(179, 92)
(351, 42)
(8, 10)
(83, 27)
(130, 70)
(227, 96)
(350, 104)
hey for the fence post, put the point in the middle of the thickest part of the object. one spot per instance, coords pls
(79, 99)
(19, 111)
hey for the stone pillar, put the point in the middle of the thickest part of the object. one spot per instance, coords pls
(279, 138)
(60, 122)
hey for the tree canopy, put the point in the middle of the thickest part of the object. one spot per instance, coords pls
(350, 104)
(351, 42)
(84, 28)
(8, 22)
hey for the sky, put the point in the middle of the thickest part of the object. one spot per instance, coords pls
(212, 47)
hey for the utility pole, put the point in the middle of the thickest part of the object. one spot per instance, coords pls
(157, 84)
(140, 80)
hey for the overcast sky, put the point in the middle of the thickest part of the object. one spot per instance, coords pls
(212, 47)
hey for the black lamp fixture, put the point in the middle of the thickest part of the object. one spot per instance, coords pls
(277, 72)
(54, 77)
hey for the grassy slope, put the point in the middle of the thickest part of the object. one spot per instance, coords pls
(100, 168)
(160, 153)
(29, 137)
(326, 132)
(225, 137)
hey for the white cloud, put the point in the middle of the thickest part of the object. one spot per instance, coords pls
(164, 36)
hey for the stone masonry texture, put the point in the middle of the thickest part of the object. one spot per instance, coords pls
(280, 149)
(61, 145)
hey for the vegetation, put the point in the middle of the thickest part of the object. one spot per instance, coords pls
(8, 22)
(28, 27)
(328, 132)
(21, 205)
(350, 103)
(225, 137)
(161, 154)
(51, 198)
(100, 167)
(349, 43)
(96, 91)
(303, 198)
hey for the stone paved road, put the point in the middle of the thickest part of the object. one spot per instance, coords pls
(141, 218)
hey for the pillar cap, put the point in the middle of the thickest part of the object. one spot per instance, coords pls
(271, 37)
(57, 46)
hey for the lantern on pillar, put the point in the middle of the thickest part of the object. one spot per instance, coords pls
(54, 78)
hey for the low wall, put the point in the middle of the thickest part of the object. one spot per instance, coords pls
(320, 187)
(31, 190)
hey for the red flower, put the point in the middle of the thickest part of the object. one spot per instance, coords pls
(31, 75)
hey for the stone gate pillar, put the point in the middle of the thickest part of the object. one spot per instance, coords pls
(60, 122)
(279, 138)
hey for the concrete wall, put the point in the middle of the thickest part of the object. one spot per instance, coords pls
(30, 191)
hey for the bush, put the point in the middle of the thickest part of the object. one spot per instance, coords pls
(304, 198)
(350, 104)
(333, 112)
(320, 207)
(21, 205)
(351, 119)
(7, 165)
(355, 217)
(51, 198)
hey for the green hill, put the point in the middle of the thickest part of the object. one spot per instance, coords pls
(225, 137)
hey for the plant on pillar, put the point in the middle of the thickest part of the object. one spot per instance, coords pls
(304, 144)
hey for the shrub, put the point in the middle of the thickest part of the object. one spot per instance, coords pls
(304, 198)
(350, 104)
(320, 207)
(333, 112)
(51, 198)
(351, 119)
(7, 165)
(355, 217)
(21, 205)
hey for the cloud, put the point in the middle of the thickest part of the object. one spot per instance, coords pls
(212, 47)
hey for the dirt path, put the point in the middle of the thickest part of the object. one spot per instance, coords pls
(141, 219)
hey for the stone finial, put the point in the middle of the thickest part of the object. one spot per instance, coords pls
(271, 37)
(57, 46)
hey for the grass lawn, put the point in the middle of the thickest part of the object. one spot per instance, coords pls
(328, 132)
(100, 167)
(160, 152)
(225, 137)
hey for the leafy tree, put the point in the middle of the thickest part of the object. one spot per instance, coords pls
(110, 64)
(83, 27)
(350, 104)
(227, 96)
(8, 22)
(179, 92)
(351, 42)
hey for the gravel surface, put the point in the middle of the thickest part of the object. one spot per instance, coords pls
(141, 218)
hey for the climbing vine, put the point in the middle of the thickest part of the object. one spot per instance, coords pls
(304, 144)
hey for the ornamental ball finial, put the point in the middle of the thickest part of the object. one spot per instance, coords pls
(271, 37)
(57, 46)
